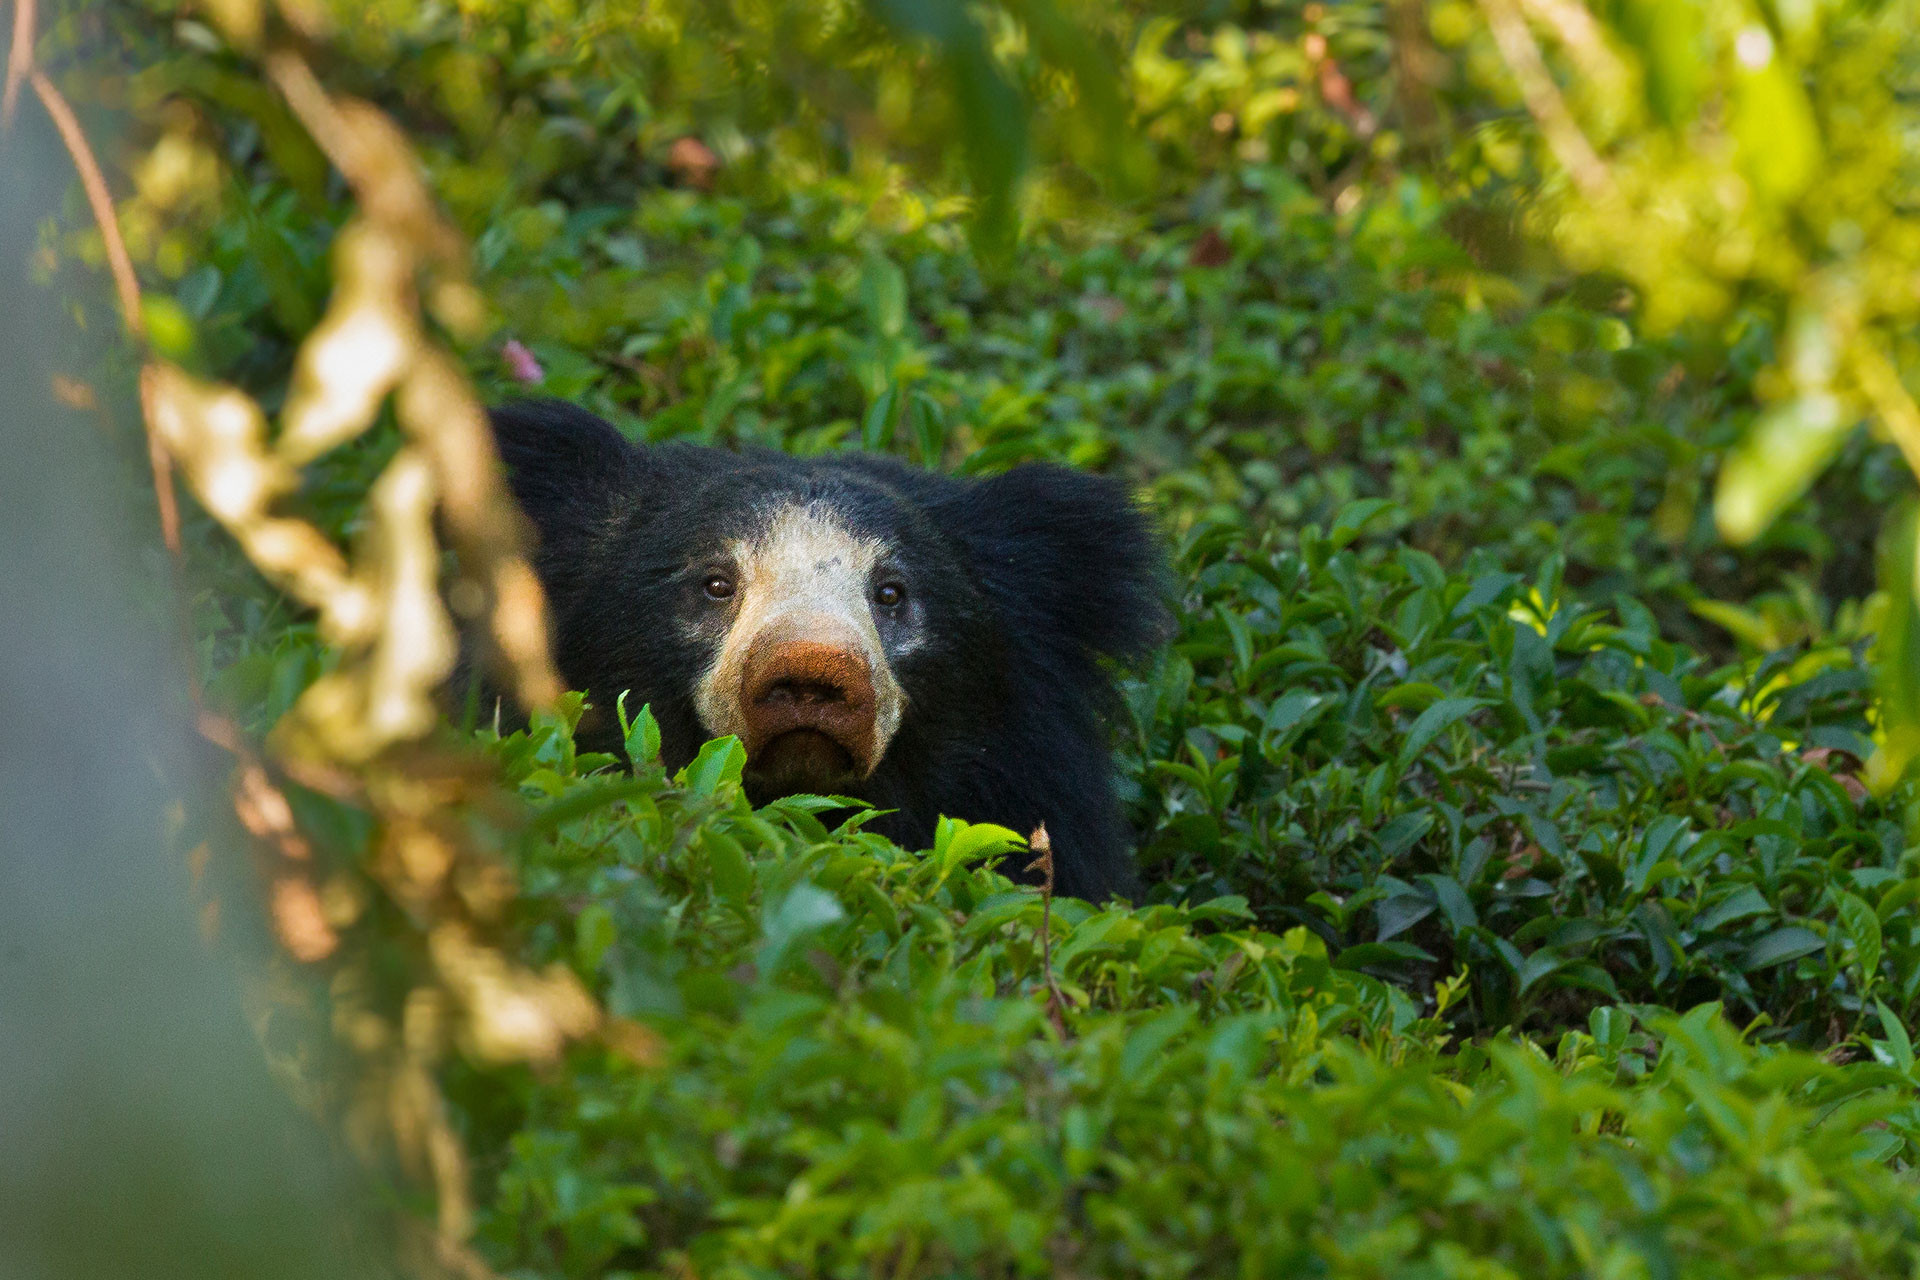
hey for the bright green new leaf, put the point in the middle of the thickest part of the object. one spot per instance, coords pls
(720, 763)
(957, 843)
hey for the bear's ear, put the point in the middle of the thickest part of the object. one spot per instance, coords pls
(564, 465)
(1070, 552)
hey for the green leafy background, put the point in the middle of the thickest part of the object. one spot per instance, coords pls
(1521, 900)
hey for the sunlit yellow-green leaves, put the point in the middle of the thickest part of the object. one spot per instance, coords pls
(1772, 117)
(1765, 170)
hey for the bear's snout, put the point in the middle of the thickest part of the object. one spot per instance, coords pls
(808, 706)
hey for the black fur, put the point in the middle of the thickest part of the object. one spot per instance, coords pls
(1028, 580)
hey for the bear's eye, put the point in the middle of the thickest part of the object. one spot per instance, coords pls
(889, 595)
(717, 586)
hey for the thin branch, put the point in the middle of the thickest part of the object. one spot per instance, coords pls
(1042, 846)
(162, 465)
(99, 199)
(1544, 101)
(19, 59)
(1580, 32)
(370, 153)
(302, 90)
(125, 283)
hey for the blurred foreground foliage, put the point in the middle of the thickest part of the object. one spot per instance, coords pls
(1521, 898)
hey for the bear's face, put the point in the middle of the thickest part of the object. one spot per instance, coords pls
(927, 644)
(816, 604)
(793, 615)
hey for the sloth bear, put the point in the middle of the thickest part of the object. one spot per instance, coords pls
(927, 644)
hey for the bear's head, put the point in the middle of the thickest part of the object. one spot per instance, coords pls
(928, 644)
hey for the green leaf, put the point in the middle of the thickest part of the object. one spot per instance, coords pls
(928, 423)
(883, 293)
(1293, 710)
(1354, 517)
(1484, 590)
(1899, 1043)
(1146, 1045)
(1380, 955)
(1538, 965)
(1416, 694)
(956, 843)
(1668, 39)
(1743, 624)
(1743, 902)
(876, 432)
(1453, 900)
(641, 735)
(728, 866)
(1862, 927)
(198, 291)
(993, 118)
(1896, 651)
(1399, 913)
(1230, 906)
(802, 802)
(804, 909)
(1428, 726)
(593, 935)
(1788, 942)
(169, 328)
(1663, 940)
(720, 763)
(1609, 1026)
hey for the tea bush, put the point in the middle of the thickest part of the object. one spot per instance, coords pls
(859, 1072)
(1435, 769)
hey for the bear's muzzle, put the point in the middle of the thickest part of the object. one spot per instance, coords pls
(808, 706)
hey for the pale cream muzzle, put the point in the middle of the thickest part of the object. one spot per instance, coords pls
(802, 677)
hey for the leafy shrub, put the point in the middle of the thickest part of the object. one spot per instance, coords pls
(1307, 369)
(1236, 343)
(1436, 769)
(858, 1072)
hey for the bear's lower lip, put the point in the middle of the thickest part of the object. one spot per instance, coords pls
(801, 760)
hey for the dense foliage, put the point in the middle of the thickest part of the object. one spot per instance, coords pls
(858, 1077)
(1518, 903)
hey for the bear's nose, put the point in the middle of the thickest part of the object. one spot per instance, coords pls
(807, 701)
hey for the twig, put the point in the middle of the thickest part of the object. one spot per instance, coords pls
(369, 153)
(162, 465)
(309, 101)
(1042, 846)
(99, 199)
(1581, 34)
(1544, 102)
(19, 59)
(125, 283)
